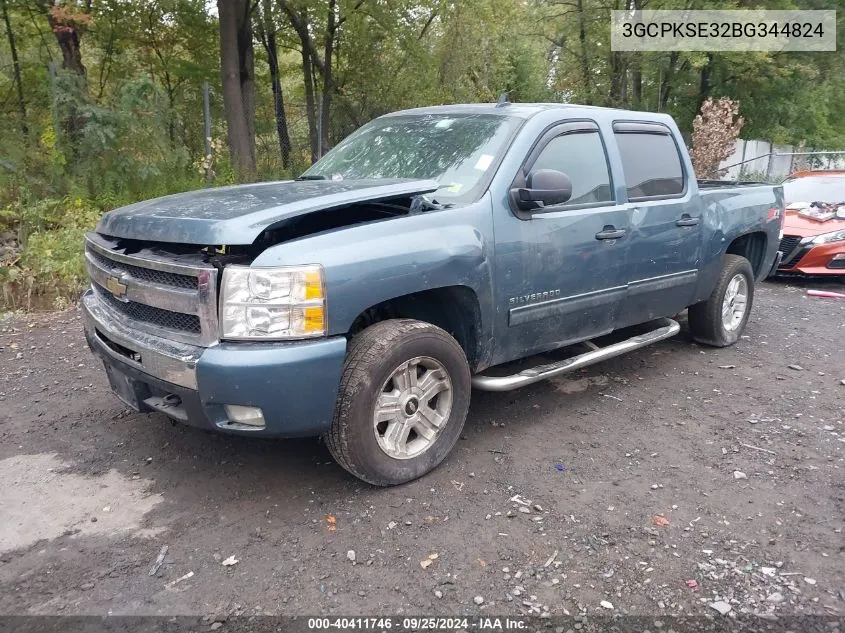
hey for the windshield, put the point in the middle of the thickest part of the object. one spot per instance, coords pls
(456, 150)
(828, 189)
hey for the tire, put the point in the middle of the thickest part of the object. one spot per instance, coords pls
(707, 323)
(429, 358)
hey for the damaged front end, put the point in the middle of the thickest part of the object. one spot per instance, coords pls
(171, 285)
(239, 215)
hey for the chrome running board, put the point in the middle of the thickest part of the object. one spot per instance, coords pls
(667, 328)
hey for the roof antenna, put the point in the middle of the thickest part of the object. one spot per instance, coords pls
(503, 100)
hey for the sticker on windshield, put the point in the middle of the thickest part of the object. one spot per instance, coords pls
(455, 187)
(484, 162)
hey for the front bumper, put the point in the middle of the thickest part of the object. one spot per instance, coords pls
(294, 384)
(775, 264)
(817, 260)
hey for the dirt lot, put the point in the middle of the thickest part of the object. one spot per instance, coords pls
(661, 482)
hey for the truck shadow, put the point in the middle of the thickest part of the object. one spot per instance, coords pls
(205, 474)
(188, 462)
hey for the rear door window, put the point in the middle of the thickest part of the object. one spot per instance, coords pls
(651, 164)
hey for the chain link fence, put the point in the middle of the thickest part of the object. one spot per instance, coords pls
(762, 160)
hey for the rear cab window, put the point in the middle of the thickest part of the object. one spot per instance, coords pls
(651, 161)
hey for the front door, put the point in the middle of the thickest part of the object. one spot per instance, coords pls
(561, 272)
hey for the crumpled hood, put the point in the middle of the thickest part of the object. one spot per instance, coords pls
(239, 214)
(795, 224)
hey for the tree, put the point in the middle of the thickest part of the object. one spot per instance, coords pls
(714, 136)
(68, 23)
(237, 71)
(267, 34)
(331, 65)
(313, 63)
(16, 65)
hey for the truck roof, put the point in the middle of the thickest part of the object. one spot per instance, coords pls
(528, 110)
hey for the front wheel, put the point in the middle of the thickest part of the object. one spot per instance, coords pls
(721, 319)
(403, 400)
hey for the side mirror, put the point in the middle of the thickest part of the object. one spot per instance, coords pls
(543, 187)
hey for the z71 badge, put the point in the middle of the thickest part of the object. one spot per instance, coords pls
(534, 296)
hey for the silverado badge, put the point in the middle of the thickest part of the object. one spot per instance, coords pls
(115, 286)
(534, 297)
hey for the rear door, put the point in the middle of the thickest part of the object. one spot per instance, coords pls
(666, 231)
(560, 273)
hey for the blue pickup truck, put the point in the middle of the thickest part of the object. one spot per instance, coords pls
(432, 251)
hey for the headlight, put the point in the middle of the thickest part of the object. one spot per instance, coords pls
(287, 302)
(827, 238)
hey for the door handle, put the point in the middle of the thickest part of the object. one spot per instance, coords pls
(610, 233)
(686, 220)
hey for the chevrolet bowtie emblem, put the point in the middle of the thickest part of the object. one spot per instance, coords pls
(115, 286)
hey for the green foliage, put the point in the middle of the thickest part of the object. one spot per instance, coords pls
(785, 98)
(753, 176)
(53, 260)
(131, 126)
(50, 233)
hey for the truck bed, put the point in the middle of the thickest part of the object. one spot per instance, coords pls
(716, 184)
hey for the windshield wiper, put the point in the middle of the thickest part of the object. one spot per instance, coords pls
(311, 177)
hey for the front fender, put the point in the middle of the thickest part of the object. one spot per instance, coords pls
(370, 263)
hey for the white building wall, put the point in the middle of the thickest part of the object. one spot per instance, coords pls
(759, 164)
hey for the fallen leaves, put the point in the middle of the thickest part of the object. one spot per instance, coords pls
(331, 522)
(426, 562)
(660, 520)
(714, 134)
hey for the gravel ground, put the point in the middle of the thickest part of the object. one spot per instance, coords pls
(675, 480)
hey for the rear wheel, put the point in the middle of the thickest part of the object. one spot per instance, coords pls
(402, 404)
(721, 319)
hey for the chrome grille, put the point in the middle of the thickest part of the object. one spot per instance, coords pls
(157, 317)
(148, 274)
(154, 293)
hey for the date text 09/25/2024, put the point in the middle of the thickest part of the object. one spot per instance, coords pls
(418, 624)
